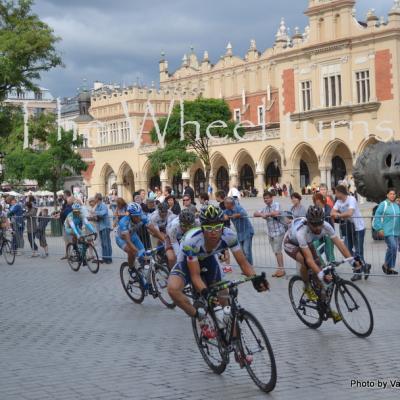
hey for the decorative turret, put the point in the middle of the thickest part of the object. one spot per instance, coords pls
(229, 52)
(193, 62)
(281, 37)
(252, 53)
(163, 67)
(205, 64)
(372, 19)
(394, 14)
(297, 38)
(185, 61)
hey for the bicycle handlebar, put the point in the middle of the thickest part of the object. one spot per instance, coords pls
(150, 252)
(230, 284)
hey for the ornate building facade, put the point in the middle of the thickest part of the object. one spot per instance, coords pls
(311, 104)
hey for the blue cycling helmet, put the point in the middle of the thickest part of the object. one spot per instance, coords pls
(76, 207)
(134, 209)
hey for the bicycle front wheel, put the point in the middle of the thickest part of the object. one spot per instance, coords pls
(354, 309)
(130, 280)
(73, 257)
(305, 309)
(257, 352)
(8, 252)
(210, 349)
(159, 278)
(92, 258)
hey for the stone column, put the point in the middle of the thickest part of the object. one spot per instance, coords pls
(323, 174)
(164, 179)
(120, 189)
(260, 183)
(213, 184)
(328, 179)
(233, 178)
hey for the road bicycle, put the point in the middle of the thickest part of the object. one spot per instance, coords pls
(240, 333)
(351, 303)
(148, 277)
(83, 252)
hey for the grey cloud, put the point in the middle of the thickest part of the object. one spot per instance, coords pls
(119, 40)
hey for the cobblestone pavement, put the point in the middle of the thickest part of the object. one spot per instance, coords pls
(67, 335)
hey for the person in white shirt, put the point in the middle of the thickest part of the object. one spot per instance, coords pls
(346, 209)
(234, 192)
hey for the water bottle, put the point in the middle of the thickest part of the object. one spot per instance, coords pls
(227, 315)
(219, 316)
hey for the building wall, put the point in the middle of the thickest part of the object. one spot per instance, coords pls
(338, 58)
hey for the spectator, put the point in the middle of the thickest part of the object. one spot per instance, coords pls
(120, 211)
(387, 223)
(323, 189)
(31, 226)
(160, 197)
(187, 204)
(204, 199)
(297, 209)
(275, 230)
(43, 221)
(188, 191)
(209, 190)
(320, 201)
(150, 206)
(352, 225)
(113, 200)
(244, 228)
(291, 191)
(104, 228)
(234, 192)
(16, 214)
(151, 194)
(173, 205)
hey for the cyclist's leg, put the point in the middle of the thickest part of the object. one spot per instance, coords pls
(130, 250)
(178, 279)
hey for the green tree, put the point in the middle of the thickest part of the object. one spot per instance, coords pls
(27, 46)
(49, 160)
(183, 148)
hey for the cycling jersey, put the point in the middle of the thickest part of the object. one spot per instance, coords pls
(162, 223)
(193, 246)
(126, 225)
(175, 234)
(300, 234)
(74, 223)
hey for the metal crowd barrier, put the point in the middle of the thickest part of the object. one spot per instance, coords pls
(263, 256)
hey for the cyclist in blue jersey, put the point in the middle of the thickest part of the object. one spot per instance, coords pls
(75, 222)
(127, 237)
(197, 261)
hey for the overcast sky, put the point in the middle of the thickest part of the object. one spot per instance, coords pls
(120, 41)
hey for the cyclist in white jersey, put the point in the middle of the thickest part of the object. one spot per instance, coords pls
(298, 245)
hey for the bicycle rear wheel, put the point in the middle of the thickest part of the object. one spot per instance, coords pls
(354, 309)
(159, 279)
(130, 280)
(73, 257)
(210, 349)
(8, 252)
(255, 346)
(305, 309)
(93, 261)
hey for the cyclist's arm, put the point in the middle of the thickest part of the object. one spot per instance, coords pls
(244, 265)
(342, 247)
(155, 232)
(74, 228)
(194, 271)
(127, 237)
(309, 259)
(89, 226)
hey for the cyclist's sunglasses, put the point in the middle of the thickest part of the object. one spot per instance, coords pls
(213, 228)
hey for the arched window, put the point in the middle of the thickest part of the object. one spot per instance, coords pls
(246, 178)
(338, 170)
(177, 185)
(222, 179)
(155, 182)
(199, 182)
(304, 174)
(272, 173)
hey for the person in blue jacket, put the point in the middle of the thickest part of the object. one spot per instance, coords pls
(387, 223)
